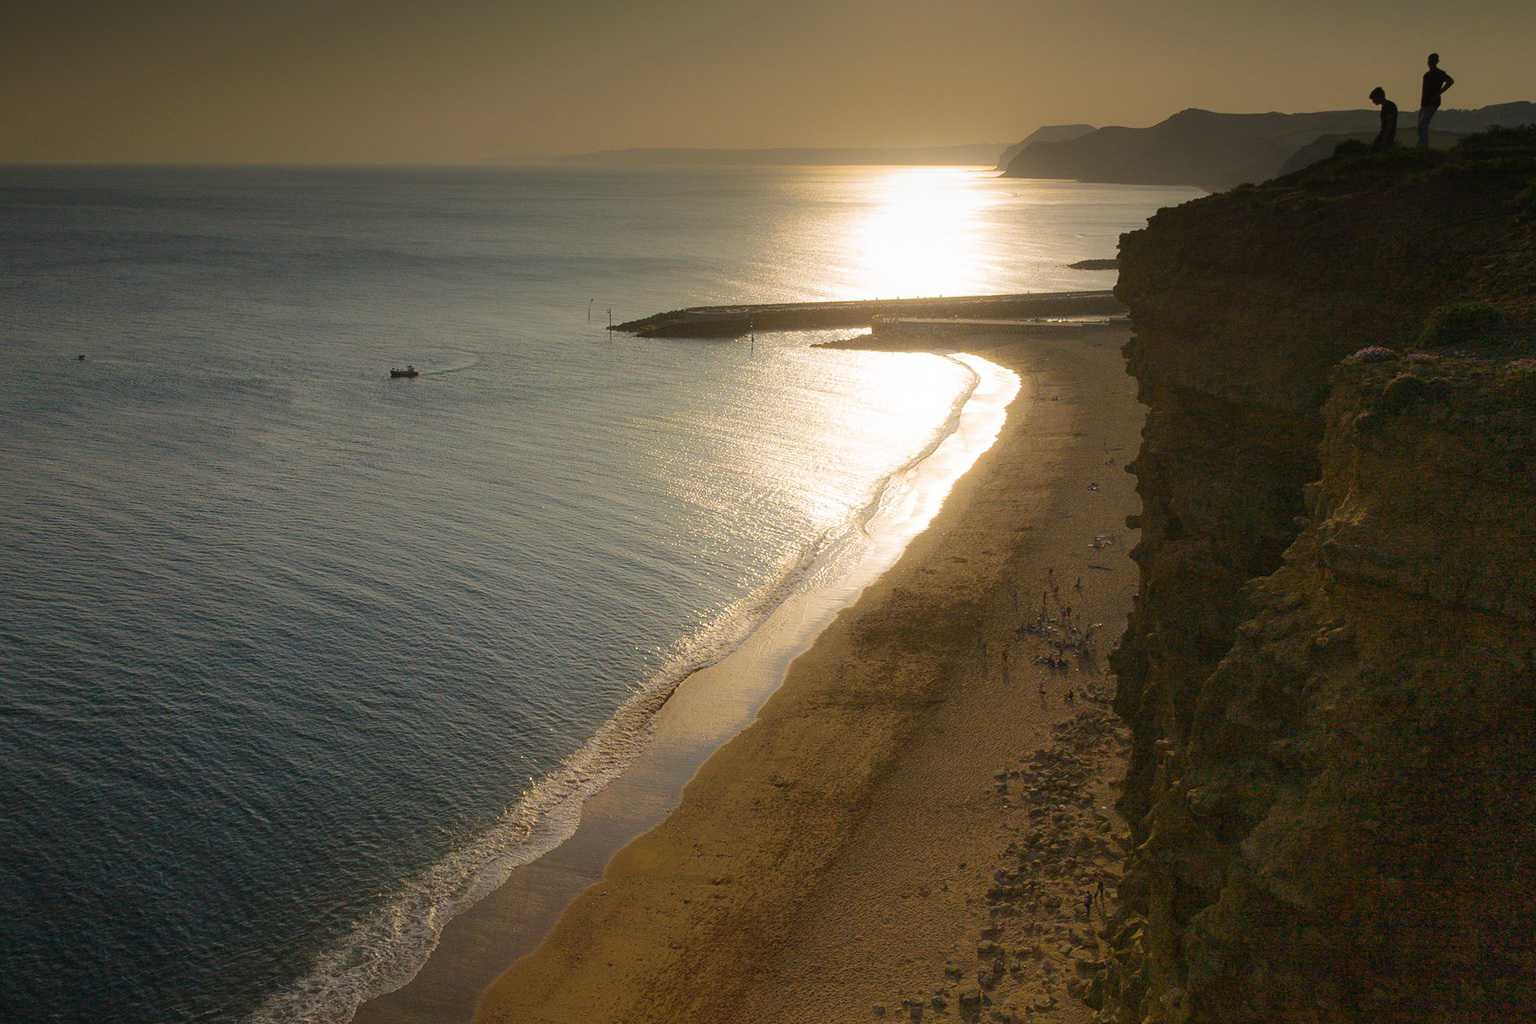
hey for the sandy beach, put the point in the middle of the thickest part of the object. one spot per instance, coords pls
(919, 807)
(912, 824)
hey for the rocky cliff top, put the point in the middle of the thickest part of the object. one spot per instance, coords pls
(1355, 251)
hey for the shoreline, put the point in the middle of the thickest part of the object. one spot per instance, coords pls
(913, 817)
(916, 809)
(690, 719)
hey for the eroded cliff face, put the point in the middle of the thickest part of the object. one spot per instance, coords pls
(1331, 670)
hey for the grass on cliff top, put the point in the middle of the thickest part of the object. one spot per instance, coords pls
(1355, 165)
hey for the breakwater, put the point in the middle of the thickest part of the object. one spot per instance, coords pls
(736, 320)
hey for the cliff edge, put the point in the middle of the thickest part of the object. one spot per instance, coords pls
(1330, 673)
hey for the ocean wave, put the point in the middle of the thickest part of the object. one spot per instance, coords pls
(943, 433)
(385, 951)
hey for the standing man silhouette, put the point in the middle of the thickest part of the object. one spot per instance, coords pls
(1387, 137)
(1435, 83)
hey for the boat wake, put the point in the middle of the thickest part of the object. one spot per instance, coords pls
(462, 361)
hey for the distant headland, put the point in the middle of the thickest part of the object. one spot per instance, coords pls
(1048, 133)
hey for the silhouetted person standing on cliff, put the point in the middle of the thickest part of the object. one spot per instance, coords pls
(1435, 83)
(1387, 137)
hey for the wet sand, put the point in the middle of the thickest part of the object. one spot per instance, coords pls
(913, 822)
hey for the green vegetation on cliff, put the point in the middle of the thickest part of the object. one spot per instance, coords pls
(1331, 671)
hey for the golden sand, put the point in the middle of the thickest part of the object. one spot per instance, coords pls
(919, 811)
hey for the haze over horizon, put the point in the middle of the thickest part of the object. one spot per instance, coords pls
(471, 82)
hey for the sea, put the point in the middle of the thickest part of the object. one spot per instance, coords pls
(296, 659)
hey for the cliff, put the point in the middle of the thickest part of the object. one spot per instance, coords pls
(1217, 151)
(1330, 674)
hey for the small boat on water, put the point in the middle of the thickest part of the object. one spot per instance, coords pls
(409, 371)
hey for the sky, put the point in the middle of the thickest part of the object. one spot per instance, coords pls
(476, 82)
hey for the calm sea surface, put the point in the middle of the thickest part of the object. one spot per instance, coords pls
(294, 657)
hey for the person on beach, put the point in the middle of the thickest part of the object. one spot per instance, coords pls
(1436, 82)
(1387, 137)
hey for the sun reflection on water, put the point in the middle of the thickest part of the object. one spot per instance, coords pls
(923, 236)
(860, 416)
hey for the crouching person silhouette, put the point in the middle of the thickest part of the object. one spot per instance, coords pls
(1387, 137)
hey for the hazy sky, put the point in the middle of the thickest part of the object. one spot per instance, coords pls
(471, 81)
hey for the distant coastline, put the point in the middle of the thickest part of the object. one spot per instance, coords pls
(974, 154)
